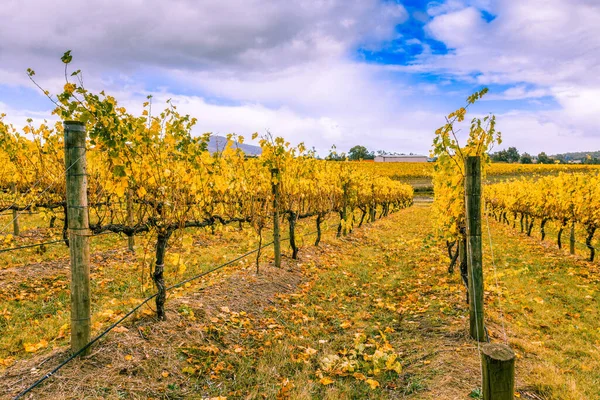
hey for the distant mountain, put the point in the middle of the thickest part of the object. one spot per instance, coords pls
(580, 155)
(218, 143)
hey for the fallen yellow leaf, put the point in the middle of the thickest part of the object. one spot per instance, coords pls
(326, 381)
(372, 383)
(33, 347)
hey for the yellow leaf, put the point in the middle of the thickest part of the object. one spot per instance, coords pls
(7, 362)
(141, 192)
(325, 381)
(33, 347)
(372, 383)
(346, 324)
(62, 330)
(188, 241)
(359, 376)
(189, 370)
(181, 269)
(165, 374)
(128, 357)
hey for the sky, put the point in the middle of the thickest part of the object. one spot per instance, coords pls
(377, 73)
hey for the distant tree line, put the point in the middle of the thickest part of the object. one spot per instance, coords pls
(511, 155)
(359, 152)
(355, 153)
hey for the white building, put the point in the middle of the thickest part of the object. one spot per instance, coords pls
(400, 158)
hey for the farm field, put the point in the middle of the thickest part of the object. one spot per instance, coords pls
(300, 331)
(419, 175)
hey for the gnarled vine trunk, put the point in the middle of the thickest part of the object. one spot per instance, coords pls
(588, 241)
(292, 224)
(319, 221)
(158, 276)
(543, 228)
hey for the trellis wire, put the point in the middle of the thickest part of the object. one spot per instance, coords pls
(115, 324)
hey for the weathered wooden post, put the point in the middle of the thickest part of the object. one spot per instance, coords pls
(15, 213)
(572, 239)
(130, 239)
(275, 182)
(498, 370)
(474, 253)
(77, 211)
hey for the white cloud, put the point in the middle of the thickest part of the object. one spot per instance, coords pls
(249, 65)
(541, 47)
(534, 132)
(519, 92)
(188, 34)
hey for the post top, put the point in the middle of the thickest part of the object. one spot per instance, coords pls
(74, 125)
(498, 351)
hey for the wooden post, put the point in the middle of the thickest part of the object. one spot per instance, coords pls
(15, 213)
(130, 239)
(474, 253)
(77, 211)
(275, 182)
(572, 239)
(498, 370)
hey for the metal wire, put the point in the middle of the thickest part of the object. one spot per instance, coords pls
(502, 317)
(114, 325)
(44, 191)
(28, 246)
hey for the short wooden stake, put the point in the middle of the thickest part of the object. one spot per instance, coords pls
(78, 224)
(474, 252)
(498, 370)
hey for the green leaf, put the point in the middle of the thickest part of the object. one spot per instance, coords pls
(119, 171)
(67, 57)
